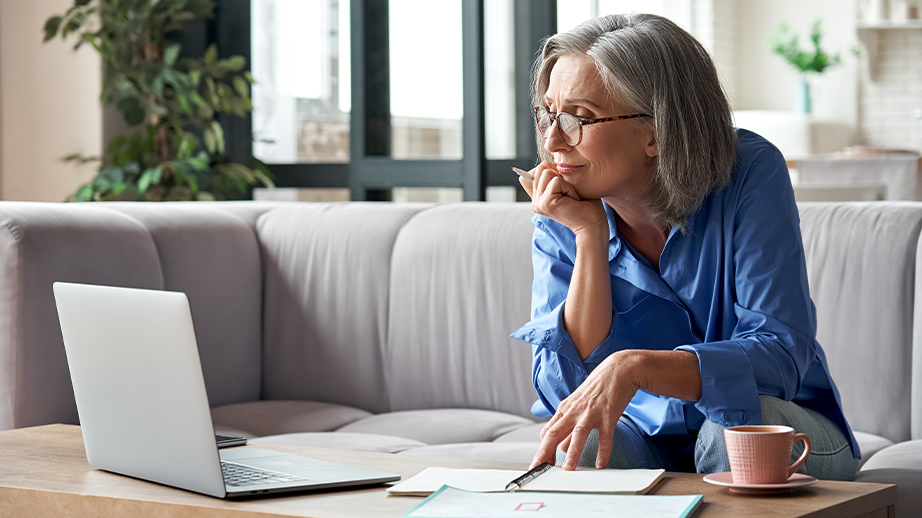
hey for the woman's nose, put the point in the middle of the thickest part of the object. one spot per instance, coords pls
(554, 140)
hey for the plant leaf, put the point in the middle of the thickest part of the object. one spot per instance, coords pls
(209, 140)
(84, 193)
(171, 53)
(218, 136)
(51, 27)
(211, 55)
(242, 87)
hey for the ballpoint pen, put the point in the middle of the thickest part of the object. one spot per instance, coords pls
(524, 174)
(528, 476)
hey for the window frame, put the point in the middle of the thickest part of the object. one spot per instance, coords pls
(370, 172)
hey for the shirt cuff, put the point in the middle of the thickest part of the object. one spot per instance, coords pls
(549, 331)
(729, 395)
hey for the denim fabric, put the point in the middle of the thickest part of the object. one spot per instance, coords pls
(633, 448)
(831, 458)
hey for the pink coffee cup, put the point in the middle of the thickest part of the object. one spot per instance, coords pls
(762, 454)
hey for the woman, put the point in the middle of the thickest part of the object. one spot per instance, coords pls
(670, 295)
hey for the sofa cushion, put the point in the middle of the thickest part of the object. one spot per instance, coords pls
(460, 284)
(530, 433)
(861, 258)
(326, 300)
(343, 441)
(902, 455)
(41, 243)
(440, 426)
(273, 417)
(213, 257)
(870, 444)
(506, 452)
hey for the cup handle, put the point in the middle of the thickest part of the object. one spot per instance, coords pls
(808, 447)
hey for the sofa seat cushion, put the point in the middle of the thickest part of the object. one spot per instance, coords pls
(273, 417)
(505, 452)
(902, 455)
(343, 441)
(530, 433)
(870, 444)
(441, 426)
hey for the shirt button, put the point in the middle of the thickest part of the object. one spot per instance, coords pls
(547, 335)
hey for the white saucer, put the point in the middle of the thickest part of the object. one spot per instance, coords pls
(726, 479)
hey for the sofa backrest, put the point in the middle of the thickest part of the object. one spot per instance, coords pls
(40, 244)
(460, 284)
(211, 254)
(208, 251)
(326, 268)
(861, 263)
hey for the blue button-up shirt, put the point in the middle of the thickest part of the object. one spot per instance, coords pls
(732, 289)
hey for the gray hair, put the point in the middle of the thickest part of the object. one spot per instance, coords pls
(653, 66)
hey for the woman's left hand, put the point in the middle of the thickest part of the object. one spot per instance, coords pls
(597, 404)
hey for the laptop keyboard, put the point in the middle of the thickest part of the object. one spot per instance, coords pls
(238, 475)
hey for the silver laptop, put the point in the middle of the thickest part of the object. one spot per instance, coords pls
(143, 409)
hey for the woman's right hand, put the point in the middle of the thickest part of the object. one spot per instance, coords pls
(554, 197)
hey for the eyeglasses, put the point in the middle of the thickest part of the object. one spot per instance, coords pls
(569, 126)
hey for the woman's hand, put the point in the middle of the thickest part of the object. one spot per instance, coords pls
(597, 404)
(600, 400)
(554, 197)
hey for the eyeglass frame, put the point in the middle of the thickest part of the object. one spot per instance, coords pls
(580, 121)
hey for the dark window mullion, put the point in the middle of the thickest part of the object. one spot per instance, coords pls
(534, 21)
(473, 133)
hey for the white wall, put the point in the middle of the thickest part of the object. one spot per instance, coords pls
(763, 81)
(49, 105)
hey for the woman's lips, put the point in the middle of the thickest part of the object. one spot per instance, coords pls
(567, 168)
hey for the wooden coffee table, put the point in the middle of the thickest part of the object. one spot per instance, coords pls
(43, 472)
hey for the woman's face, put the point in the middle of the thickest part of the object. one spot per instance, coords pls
(613, 159)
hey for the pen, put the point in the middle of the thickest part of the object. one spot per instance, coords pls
(524, 174)
(529, 475)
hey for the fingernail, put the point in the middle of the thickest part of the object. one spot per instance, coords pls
(599, 464)
(569, 464)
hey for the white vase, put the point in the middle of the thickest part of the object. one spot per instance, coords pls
(876, 11)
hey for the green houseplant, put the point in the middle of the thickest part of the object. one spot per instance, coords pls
(174, 149)
(785, 44)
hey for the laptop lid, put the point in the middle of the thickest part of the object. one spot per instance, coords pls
(138, 385)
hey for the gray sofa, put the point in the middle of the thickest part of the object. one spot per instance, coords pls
(384, 327)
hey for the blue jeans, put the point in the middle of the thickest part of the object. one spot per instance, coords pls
(831, 458)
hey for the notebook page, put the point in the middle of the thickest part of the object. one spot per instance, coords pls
(622, 481)
(431, 480)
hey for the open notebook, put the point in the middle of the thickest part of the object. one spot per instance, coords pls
(556, 480)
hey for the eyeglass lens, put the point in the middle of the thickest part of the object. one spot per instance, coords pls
(567, 124)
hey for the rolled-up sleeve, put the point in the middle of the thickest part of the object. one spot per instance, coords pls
(557, 369)
(773, 341)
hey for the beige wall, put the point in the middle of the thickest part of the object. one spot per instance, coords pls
(765, 82)
(49, 105)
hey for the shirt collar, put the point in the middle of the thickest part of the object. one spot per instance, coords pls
(623, 264)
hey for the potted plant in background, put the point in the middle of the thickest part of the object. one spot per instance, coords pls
(784, 43)
(174, 149)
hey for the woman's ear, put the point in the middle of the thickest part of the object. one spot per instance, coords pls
(651, 148)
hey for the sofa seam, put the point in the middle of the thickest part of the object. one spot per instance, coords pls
(386, 354)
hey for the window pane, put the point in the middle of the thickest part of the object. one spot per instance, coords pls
(425, 78)
(301, 99)
(500, 79)
(571, 13)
